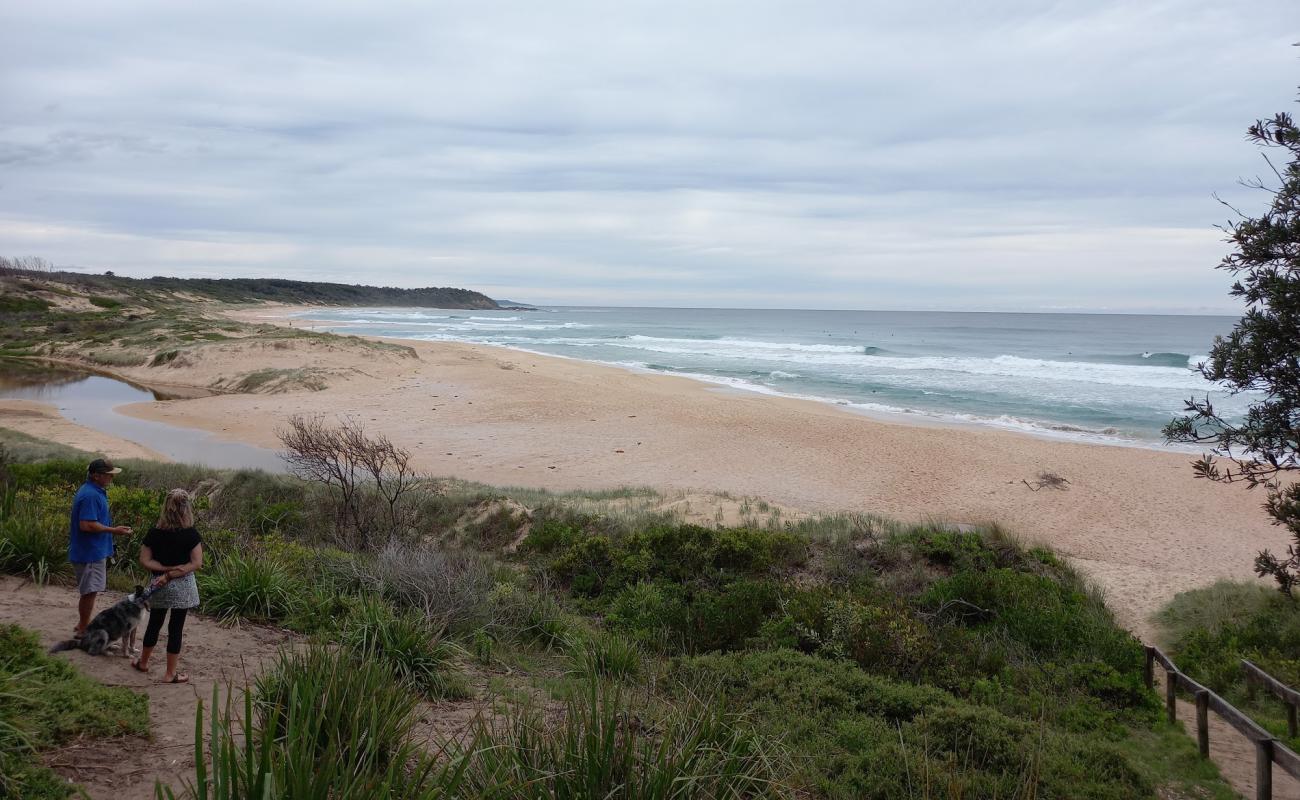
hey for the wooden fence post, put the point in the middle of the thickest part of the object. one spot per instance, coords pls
(1291, 720)
(1171, 696)
(1263, 769)
(1203, 722)
(1149, 669)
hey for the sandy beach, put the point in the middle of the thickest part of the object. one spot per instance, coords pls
(1136, 520)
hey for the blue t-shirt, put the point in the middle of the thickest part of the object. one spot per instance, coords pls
(91, 503)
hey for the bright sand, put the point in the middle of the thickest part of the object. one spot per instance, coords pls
(1135, 520)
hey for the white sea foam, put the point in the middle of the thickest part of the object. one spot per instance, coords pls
(862, 365)
(1065, 396)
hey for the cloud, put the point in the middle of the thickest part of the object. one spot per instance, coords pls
(1000, 155)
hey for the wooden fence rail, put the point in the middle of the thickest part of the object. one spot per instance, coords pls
(1268, 750)
(1258, 677)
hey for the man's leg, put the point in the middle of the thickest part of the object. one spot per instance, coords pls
(86, 608)
(92, 578)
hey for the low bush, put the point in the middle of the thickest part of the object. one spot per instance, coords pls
(447, 586)
(855, 735)
(23, 305)
(318, 725)
(529, 617)
(65, 474)
(602, 750)
(877, 632)
(408, 645)
(608, 656)
(1209, 631)
(1050, 617)
(653, 614)
(689, 555)
(33, 543)
(248, 587)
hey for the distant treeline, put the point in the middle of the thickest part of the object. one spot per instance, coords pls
(236, 290)
(245, 290)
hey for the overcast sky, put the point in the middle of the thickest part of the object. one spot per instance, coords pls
(987, 156)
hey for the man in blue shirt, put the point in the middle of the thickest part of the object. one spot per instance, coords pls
(91, 537)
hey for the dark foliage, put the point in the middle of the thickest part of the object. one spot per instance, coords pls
(1262, 353)
(245, 290)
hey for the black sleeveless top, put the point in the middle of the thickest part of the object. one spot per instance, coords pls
(171, 546)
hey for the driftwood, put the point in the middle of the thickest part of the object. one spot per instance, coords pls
(1047, 480)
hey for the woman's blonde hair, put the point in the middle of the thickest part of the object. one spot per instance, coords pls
(177, 510)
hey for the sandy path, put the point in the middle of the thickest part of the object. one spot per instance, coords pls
(1135, 519)
(126, 768)
(44, 421)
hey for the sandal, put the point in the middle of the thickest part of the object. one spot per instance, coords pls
(135, 665)
(179, 677)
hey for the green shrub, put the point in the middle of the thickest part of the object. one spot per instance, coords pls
(104, 302)
(605, 655)
(597, 751)
(407, 645)
(653, 614)
(550, 535)
(54, 473)
(531, 617)
(690, 555)
(882, 636)
(20, 305)
(317, 726)
(34, 542)
(252, 588)
(855, 735)
(1049, 617)
(727, 617)
(1209, 631)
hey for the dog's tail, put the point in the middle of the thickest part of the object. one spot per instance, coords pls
(69, 644)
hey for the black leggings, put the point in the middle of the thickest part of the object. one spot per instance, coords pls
(175, 628)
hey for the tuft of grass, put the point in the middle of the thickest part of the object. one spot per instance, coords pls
(33, 543)
(449, 586)
(608, 656)
(603, 748)
(406, 644)
(252, 588)
(317, 726)
(1213, 609)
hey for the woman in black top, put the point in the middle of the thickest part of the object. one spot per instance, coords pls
(173, 551)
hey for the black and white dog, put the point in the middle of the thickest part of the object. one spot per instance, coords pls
(116, 623)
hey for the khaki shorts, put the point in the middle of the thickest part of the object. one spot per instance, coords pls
(92, 577)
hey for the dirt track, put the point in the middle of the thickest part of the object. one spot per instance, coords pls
(125, 769)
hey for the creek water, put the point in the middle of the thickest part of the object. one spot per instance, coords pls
(92, 401)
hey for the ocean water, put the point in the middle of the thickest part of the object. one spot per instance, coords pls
(1107, 378)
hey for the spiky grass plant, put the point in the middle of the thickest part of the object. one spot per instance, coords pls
(34, 544)
(606, 655)
(257, 589)
(406, 644)
(317, 726)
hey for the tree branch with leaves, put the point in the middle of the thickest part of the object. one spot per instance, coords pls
(1261, 354)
